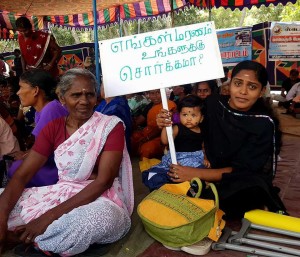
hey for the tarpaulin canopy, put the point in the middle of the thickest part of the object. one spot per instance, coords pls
(79, 13)
(67, 7)
(84, 15)
(58, 7)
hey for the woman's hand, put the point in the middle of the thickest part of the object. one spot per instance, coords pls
(178, 173)
(164, 119)
(206, 163)
(34, 228)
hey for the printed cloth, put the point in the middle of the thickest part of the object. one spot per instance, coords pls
(34, 48)
(157, 175)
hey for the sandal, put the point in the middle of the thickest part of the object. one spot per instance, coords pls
(200, 248)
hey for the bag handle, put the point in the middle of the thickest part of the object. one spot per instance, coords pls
(197, 181)
(214, 189)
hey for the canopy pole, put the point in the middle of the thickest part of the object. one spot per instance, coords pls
(97, 61)
(209, 10)
(164, 100)
(120, 21)
(172, 13)
(139, 26)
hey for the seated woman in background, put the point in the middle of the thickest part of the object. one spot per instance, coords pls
(5, 114)
(37, 89)
(146, 142)
(93, 199)
(203, 89)
(240, 132)
(224, 89)
(8, 145)
(139, 106)
(8, 142)
(9, 87)
(119, 107)
(179, 92)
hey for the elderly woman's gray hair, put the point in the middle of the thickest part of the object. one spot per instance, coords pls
(66, 81)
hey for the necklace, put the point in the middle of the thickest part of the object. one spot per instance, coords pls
(65, 128)
(66, 122)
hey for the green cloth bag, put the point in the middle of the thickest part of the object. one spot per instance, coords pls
(175, 219)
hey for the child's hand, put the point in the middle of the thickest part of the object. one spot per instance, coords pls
(206, 163)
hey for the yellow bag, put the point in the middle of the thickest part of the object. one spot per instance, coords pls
(175, 219)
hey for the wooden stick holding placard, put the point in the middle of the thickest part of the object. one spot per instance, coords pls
(169, 129)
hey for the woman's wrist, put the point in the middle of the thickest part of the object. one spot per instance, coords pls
(25, 154)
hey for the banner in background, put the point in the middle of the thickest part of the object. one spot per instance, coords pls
(160, 59)
(235, 45)
(284, 41)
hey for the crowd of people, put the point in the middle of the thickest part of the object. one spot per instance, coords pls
(70, 175)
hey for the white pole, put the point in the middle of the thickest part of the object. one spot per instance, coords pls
(169, 129)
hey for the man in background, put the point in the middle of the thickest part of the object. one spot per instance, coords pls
(292, 98)
(286, 87)
(2, 68)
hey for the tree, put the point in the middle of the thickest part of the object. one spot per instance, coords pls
(63, 36)
(291, 12)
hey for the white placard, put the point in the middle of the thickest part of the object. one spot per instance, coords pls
(160, 59)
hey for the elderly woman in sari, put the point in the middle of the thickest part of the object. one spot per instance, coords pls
(93, 198)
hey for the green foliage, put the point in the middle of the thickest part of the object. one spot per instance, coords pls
(190, 16)
(63, 37)
(8, 46)
(291, 12)
(264, 13)
(226, 18)
(108, 32)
